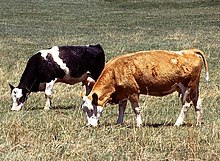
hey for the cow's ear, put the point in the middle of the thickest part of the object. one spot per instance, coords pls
(82, 94)
(94, 99)
(11, 86)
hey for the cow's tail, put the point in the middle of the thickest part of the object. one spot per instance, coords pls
(203, 56)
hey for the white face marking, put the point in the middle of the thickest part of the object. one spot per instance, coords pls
(92, 114)
(16, 94)
(93, 120)
(87, 103)
(54, 51)
(16, 107)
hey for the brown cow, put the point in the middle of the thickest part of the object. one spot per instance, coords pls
(155, 73)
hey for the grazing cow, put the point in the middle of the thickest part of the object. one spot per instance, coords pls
(67, 64)
(155, 73)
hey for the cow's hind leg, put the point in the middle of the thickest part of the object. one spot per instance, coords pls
(182, 90)
(197, 102)
(48, 94)
(122, 107)
(185, 106)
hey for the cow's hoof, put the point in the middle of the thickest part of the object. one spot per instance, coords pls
(47, 108)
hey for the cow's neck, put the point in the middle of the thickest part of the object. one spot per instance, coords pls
(28, 84)
(104, 88)
(28, 81)
(104, 97)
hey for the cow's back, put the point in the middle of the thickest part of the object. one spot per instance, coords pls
(148, 71)
(80, 59)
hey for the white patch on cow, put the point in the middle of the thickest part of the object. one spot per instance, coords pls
(16, 107)
(199, 103)
(93, 120)
(48, 93)
(49, 87)
(179, 52)
(139, 120)
(90, 81)
(54, 51)
(198, 112)
(174, 61)
(99, 111)
(17, 93)
(87, 103)
(92, 114)
(207, 77)
(44, 53)
(137, 111)
(182, 115)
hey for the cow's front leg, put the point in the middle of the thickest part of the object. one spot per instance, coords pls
(48, 102)
(48, 94)
(137, 112)
(122, 107)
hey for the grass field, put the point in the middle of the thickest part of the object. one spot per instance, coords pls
(120, 26)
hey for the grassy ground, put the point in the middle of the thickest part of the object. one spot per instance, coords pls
(121, 26)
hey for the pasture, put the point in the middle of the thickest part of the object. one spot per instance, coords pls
(120, 26)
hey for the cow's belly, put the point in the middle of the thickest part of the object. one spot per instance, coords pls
(160, 90)
(71, 80)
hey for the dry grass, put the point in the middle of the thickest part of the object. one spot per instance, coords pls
(121, 27)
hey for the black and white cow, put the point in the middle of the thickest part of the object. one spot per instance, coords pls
(67, 64)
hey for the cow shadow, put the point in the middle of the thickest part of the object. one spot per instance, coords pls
(166, 125)
(156, 125)
(73, 107)
(65, 107)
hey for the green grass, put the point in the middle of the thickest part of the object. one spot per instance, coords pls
(120, 26)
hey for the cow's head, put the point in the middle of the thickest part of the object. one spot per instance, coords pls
(92, 110)
(19, 96)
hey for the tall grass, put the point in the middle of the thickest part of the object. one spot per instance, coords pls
(120, 26)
